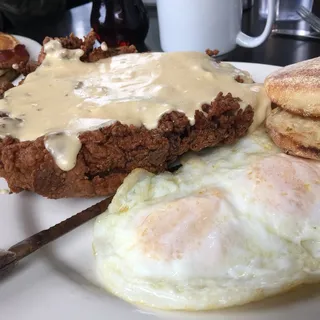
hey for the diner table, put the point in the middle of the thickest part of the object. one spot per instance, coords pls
(277, 50)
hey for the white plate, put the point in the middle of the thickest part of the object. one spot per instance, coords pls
(59, 282)
(32, 47)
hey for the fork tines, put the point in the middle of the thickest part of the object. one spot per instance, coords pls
(309, 17)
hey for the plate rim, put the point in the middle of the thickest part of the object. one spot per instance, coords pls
(129, 312)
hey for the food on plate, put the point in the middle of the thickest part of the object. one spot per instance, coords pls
(12, 53)
(86, 116)
(229, 227)
(295, 134)
(296, 88)
(294, 125)
(7, 41)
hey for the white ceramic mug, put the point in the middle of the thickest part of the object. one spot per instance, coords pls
(197, 25)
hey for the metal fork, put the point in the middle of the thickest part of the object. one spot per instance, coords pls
(309, 17)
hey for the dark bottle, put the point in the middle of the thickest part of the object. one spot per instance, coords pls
(120, 22)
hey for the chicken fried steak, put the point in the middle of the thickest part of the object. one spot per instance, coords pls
(108, 153)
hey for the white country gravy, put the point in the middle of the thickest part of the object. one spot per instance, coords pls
(65, 96)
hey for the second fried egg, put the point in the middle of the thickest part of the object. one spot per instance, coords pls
(231, 226)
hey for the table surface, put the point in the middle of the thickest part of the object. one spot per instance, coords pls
(276, 50)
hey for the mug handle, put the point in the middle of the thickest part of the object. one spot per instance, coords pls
(244, 40)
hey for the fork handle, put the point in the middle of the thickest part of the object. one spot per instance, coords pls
(38, 240)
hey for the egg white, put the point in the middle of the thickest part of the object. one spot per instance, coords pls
(231, 226)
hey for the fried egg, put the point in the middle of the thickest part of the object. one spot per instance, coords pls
(233, 225)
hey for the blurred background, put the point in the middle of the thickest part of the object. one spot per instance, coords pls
(39, 18)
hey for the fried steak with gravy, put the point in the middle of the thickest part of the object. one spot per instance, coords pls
(110, 153)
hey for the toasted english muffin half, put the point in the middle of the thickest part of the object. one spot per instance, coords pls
(296, 88)
(294, 134)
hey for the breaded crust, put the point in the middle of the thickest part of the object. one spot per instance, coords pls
(294, 134)
(109, 154)
(296, 87)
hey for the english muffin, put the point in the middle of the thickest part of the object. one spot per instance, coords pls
(296, 88)
(296, 135)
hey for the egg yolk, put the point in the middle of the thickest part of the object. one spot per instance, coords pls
(178, 227)
(286, 183)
